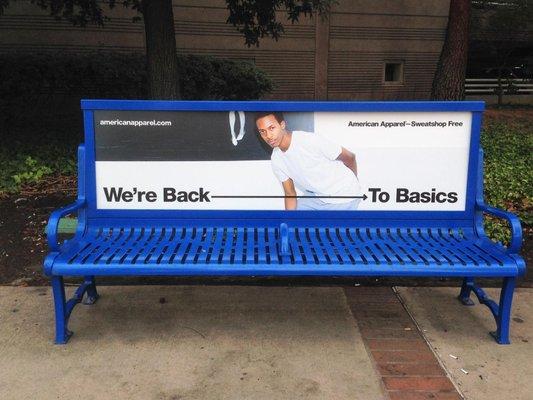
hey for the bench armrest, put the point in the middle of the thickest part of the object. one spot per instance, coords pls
(53, 222)
(516, 227)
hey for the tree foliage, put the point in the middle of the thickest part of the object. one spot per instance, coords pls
(257, 19)
(254, 19)
(503, 25)
(507, 15)
(502, 30)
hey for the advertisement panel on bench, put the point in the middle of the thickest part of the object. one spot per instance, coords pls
(324, 161)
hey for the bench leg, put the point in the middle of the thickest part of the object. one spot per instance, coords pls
(503, 319)
(64, 308)
(466, 290)
(58, 289)
(91, 292)
(501, 311)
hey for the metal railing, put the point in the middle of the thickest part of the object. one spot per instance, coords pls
(490, 86)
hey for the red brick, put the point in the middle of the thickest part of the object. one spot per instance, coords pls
(359, 305)
(418, 383)
(424, 396)
(374, 308)
(404, 356)
(408, 368)
(389, 311)
(391, 323)
(362, 300)
(399, 369)
(385, 333)
(397, 344)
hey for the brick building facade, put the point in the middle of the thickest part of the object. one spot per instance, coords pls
(366, 49)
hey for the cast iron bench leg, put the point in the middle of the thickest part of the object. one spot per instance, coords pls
(58, 288)
(501, 311)
(92, 294)
(466, 289)
(503, 318)
(64, 308)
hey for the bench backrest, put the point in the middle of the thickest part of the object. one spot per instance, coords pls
(203, 159)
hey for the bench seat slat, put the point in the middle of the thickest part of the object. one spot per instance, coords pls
(391, 243)
(133, 252)
(374, 245)
(159, 249)
(95, 237)
(175, 241)
(313, 251)
(122, 246)
(296, 248)
(239, 249)
(185, 244)
(328, 248)
(272, 245)
(339, 249)
(431, 248)
(206, 246)
(355, 254)
(431, 270)
(409, 246)
(251, 243)
(433, 237)
(307, 256)
(105, 247)
(261, 246)
(358, 242)
(193, 252)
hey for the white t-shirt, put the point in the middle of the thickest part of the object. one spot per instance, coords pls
(311, 162)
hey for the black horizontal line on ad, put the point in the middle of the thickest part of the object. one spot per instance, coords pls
(287, 197)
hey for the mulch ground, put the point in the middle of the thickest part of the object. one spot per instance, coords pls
(23, 218)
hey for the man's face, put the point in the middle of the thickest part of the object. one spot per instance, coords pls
(271, 130)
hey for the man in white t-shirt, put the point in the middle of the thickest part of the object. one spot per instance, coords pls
(325, 171)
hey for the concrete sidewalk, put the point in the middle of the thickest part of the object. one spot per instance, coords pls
(239, 342)
(196, 342)
(482, 369)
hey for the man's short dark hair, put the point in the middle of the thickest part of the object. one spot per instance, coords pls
(279, 116)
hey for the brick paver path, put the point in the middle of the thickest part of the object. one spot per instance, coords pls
(409, 369)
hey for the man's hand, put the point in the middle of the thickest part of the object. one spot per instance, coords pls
(288, 188)
(348, 159)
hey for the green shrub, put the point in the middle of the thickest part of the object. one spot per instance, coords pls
(40, 93)
(32, 171)
(40, 117)
(114, 75)
(31, 163)
(508, 174)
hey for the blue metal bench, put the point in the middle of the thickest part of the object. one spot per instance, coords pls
(280, 243)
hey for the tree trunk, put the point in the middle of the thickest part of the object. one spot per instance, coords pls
(449, 80)
(162, 63)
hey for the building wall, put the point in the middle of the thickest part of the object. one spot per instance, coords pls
(341, 58)
(364, 34)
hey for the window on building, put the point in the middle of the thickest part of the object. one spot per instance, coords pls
(393, 72)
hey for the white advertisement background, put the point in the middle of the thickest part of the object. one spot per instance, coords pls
(235, 178)
(417, 158)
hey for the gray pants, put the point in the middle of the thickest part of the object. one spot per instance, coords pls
(319, 205)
